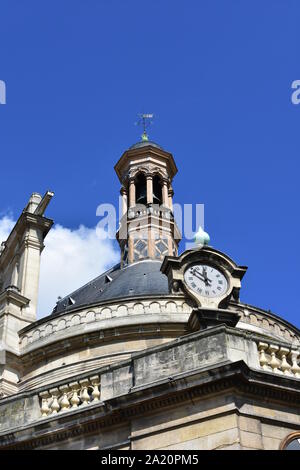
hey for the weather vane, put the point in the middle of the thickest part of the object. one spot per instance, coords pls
(145, 120)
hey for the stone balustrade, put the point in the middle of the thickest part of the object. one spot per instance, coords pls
(48, 329)
(72, 320)
(279, 359)
(141, 210)
(70, 396)
(266, 321)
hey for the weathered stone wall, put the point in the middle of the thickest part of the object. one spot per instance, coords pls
(192, 353)
(205, 390)
(59, 347)
(116, 437)
(16, 412)
(216, 423)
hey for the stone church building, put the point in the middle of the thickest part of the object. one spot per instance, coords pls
(156, 353)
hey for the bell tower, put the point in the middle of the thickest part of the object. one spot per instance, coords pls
(147, 228)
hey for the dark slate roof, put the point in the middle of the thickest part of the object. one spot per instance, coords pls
(145, 143)
(138, 279)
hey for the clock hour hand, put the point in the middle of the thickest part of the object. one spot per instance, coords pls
(204, 274)
(199, 275)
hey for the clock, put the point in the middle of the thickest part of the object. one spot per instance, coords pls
(206, 280)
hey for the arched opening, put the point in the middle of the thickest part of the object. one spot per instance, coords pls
(291, 442)
(157, 190)
(140, 185)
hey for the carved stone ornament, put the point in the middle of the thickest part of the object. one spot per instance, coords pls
(215, 262)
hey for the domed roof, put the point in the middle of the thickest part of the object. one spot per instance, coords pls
(142, 278)
(145, 143)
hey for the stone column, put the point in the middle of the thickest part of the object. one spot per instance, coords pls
(124, 200)
(132, 201)
(165, 196)
(171, 194)
(149, 180)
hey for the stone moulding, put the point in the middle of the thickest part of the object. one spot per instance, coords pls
(263, 320)
(288, 439)
(49, 328)
(70, 332)
(157, 328)
(237, 376)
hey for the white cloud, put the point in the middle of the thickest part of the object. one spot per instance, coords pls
(71, 258)
(6, 224)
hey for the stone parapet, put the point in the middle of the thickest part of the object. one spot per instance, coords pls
(279, 358)
(214, 359)
(104, 316)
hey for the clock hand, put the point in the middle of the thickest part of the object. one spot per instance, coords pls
(196, 273)
(207, 281)
(204, 274)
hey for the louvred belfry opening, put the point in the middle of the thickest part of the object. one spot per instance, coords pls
(147, 229)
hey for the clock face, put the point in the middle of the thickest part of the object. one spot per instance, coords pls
(206, 280)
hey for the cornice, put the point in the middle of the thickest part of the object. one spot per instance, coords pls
(12, 295)
(25, 219)
(267, 313)
(120, 166)
(59, 345)
(237, 377)
(106, 303)
(207, 252)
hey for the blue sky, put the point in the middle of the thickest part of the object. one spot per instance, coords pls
(218, 76)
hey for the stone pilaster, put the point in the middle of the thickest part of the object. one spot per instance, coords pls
(19, 273)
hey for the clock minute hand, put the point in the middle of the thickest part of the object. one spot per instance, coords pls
(201, 277)
(204, 274)
(197, 274)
